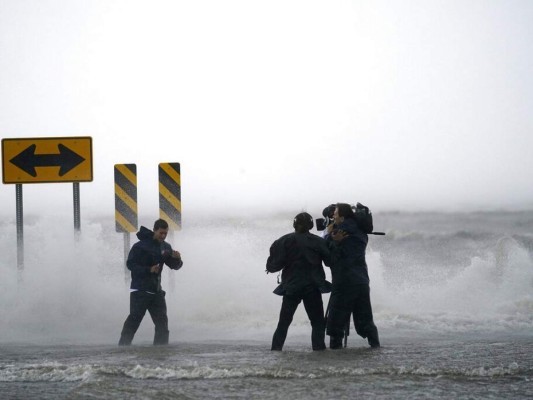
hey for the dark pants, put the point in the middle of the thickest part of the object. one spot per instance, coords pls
(353, 300)
(315, 311)
(156, 306)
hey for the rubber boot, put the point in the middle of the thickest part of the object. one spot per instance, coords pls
(373, 338)
(335, 342)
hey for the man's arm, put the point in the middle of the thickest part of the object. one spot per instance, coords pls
(276, 260)
(173, 258)
(325, 252)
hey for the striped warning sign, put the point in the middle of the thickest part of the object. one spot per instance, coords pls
(170, 194)
(126, 216)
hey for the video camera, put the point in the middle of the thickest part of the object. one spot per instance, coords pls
(362, 214)
(327, 213)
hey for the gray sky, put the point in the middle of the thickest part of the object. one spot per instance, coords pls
(278, 105)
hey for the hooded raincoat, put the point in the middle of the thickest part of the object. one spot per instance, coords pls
(143, 255)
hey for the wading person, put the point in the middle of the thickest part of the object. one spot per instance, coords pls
(145, 261)
(299, 256)
(350, 282)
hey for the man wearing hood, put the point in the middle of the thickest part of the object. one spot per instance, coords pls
(145, 261)
(349, 277)
(299, 255)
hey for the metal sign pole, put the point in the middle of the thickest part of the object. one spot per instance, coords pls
(170, 274)
(126, 252)
(20, 229)
(76, 195)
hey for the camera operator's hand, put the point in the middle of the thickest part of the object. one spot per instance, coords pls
(154, 269)
(176, 254)
(338, 235)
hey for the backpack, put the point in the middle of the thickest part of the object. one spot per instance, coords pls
(363, 217)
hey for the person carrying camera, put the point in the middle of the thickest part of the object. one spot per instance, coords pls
(349, 277)
(145, 261)
(299, 255)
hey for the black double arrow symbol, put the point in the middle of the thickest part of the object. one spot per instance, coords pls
(66, 160)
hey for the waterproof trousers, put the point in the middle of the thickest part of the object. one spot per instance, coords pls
(156, 305)
(315, 311)
(355, 300)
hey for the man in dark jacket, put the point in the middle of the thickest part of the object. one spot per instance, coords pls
(350, 282)
(299, 256)
(145, 261)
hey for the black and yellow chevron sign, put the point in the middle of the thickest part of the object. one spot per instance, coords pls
(170, 194)
(126, 216)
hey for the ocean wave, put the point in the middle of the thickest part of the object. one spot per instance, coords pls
(56, 372)
(46, 372)
(422, 286)
(510, 370)
(398, 235)
(207, 372)
(518, 319)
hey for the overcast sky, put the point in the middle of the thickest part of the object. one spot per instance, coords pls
(278, 105)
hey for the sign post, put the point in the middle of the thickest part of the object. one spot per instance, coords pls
(20, 229)
(46, 160)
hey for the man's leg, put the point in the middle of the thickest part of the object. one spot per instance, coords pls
(339, 313)
(363, 318)
(315, 311)
(288, 308)
(158, 312)
(138, 305)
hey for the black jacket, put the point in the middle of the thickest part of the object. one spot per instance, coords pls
(299, 256)
(349, 261)
(143, 255)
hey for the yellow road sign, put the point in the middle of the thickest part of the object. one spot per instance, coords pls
(126, 215)
(53, 159)
(170, 194)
